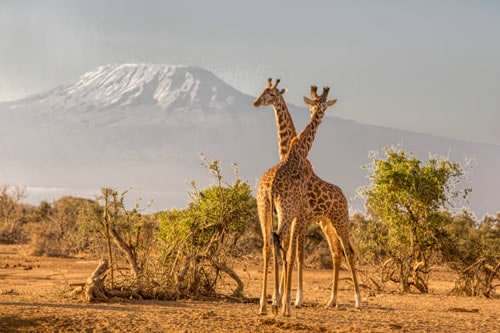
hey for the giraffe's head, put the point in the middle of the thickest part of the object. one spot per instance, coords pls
(319, 103)
(270, 94)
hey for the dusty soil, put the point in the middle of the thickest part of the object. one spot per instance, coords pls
(34, 297)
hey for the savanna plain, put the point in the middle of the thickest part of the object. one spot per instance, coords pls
(35, 296)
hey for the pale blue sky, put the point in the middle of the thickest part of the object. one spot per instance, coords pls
(426, 66)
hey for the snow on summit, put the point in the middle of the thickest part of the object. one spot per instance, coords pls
(122, 85)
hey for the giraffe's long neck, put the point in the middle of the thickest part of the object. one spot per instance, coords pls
(300, 149)
(285, 126)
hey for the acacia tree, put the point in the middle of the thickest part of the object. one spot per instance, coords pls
(407, 197)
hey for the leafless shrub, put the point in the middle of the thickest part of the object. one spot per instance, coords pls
(12, 214)
(479, 279)
(56, 230)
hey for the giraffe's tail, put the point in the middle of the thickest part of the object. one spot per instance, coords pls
(349, 249)
(276, 242)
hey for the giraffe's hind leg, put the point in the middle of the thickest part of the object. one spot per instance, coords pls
(300, 264)
(342, 230)
(265, 217)
(352, 268)
(289, 259)
(336, 253)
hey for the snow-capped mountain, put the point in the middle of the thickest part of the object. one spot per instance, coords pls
(131, 85)
(144, 126)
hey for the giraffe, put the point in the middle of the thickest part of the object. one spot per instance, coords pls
(324, 200)
(283, 188)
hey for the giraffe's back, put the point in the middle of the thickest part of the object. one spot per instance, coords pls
(325, 200)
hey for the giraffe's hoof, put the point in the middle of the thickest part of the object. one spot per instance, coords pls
(357, 301)
(331, 305)
(263, 308)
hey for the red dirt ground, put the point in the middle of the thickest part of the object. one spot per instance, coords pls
(34, 297)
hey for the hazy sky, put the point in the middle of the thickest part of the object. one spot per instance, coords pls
(428, 66)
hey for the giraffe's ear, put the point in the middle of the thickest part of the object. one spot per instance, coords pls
(331, 102)
(308, 101)
(282, 91)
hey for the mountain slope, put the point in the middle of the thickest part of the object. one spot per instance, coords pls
(144, 126)
(128, 85)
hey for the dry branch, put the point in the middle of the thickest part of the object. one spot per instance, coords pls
(94, 289)
(229, 271)
(477, 279)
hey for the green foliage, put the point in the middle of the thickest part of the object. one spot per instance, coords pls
(472, 249)
(370, 237)
(489, 234)
(407, 196)
(468, 240)
(220, 209)
(198, 239)
(462, 246)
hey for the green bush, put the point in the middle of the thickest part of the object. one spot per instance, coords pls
(200, 242)
(407, 197)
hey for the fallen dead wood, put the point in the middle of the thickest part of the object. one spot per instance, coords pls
(94, 289)
(229, 271)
